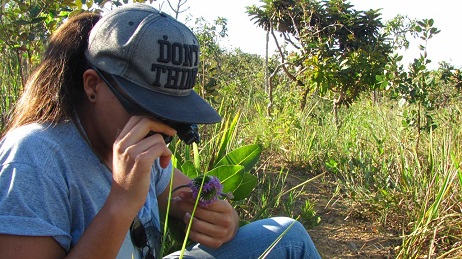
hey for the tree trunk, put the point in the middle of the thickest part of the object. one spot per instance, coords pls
(335, 111)
(269, 107)
(337, 103)
(266, 63)
(303, 100)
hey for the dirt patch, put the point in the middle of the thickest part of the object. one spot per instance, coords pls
(340, 234)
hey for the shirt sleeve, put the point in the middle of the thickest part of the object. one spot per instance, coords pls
(33, 204)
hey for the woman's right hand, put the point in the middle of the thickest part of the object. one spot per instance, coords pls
(133, 157)
(132, 161)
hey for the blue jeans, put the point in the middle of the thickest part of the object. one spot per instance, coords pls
(253, 239)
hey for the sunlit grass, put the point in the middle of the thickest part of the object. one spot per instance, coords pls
(413, 189)
(10, 84)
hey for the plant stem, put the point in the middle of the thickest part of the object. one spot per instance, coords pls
(164, 237)
(275, 242)
(183, 248)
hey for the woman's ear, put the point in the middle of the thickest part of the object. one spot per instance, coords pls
(91, 79)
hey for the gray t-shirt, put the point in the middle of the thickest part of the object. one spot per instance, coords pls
(52, 184)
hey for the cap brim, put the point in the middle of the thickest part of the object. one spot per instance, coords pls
(185, 109)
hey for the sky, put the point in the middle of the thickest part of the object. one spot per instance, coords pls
(445, 46)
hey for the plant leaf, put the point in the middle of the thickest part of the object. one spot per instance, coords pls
(247, 185)
(189, 169)
(247, 156)
(230, 176)
(226, 138)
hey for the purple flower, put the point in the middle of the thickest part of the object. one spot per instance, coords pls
(211, 190)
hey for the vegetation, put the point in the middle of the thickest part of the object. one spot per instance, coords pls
(338, 50)
(394, 148)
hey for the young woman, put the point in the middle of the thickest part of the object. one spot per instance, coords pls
(84, 167)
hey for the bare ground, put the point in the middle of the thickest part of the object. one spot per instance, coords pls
(340, 233)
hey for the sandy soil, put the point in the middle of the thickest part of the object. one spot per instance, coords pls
(341, 234)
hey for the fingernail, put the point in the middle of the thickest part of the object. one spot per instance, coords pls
(181, 195)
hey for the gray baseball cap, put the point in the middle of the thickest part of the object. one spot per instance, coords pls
(154, 60)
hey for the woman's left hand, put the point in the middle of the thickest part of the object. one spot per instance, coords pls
(211, 226)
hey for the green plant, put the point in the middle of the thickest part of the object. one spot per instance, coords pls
(339, 50)
(309, 215)
(414, 192)
(232, 167)
(435, 217)
(414, 86)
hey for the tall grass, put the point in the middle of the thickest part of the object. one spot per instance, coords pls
(415, 190)
(10, 84)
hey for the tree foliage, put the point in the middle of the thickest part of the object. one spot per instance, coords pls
(414, 86)
(337, 50)
(209, 35)
(26, 25)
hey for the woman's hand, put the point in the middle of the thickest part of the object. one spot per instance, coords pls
(133, 157)
(211, 226)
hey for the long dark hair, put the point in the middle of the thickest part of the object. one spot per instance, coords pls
(55, 87)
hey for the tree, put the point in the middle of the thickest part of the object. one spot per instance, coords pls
(26, 25)
(24, 29)
(415, 85)
(336, 50)
(176, 9)
(209, 35)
